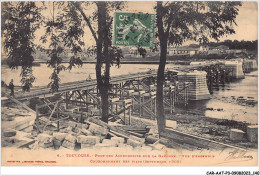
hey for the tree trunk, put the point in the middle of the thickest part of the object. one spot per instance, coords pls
(102, 50)
(160, 73)
(104, 104)
(159, 92)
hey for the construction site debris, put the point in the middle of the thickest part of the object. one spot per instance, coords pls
(71, 138)
(68, 144)
(97, 130)
(252, 133)
(59, 136)
(44, 138)
(9, 133)
(86, 132)
(134, 143)
(171, 124)
(236, 135)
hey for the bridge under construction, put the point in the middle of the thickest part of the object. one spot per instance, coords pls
(132, 95)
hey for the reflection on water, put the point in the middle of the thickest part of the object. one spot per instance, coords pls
(234, 101)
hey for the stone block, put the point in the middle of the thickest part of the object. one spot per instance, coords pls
(98, 130)
(31, 122)
(72, 133)
(57, 143)
(44, 138)
(71, 138)
(158, 146)
(66, 130)
(125, 147)
(102, 145)
(152, 130)
(9, 118)
(34, 146)
(147, 148)
(85, 126)
(48, 132)
(92, 140)
(95, 112)
(118, 139)
(9, 133)
(79, 125)
(111, 143)
(72, 124)
(93, 127)
(101, 138)
(86, 132)
(68, 144)
(28, 129)
(73, 110)
(236, 135)
(252, 133)
(59, 136)
(134, 143)
(171, 124)
(10, 115)
(45, 145)
(82, 139)
(9, 140)
(83, 146)
(77, 130)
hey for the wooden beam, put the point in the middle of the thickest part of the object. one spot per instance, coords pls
(21, 104)
(81, 96)
(47, 104)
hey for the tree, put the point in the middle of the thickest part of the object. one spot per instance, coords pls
(64, 32)
(178, 21)
(21, 19)
(107, 55)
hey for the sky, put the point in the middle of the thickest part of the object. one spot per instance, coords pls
(247, 19)
(247, 22)
(246, 29)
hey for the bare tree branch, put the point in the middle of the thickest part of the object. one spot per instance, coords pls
(86, 19)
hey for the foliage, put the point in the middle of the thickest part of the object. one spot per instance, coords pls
(197, 21)
(113, 54)
(248, 45)
(64, 32)
(233, 44)
(21, 19)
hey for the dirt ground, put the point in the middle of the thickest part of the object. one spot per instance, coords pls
(215, 129)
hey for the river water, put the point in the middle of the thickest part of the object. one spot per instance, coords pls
(226, 103)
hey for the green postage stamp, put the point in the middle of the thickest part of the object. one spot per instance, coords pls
(133, 29)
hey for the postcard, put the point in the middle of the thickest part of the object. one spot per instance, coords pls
(129, 83)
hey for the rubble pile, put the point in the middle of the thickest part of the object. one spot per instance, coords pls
(9, 113)
(75, 133)
(94, 133)
(234, 134)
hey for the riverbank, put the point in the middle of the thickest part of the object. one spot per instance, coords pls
(195, 123)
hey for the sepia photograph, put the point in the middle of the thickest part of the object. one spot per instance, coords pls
(129, 83)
